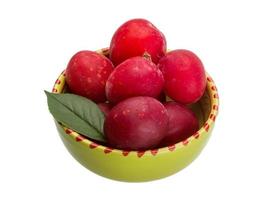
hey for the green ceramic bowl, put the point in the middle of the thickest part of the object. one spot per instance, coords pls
(137, 166)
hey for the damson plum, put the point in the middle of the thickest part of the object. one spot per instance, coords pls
(137, 37)
(105, 108)
(137, 123)
(87, 73)
(184, 75)
(182, 123)
(136, 76)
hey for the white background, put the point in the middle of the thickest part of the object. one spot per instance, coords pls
(37, 38)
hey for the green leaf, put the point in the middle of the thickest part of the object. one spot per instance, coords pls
(78, 113)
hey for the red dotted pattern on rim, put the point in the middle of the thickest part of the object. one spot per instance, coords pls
(185, 142)
(125, 153)
(93, 145)
(108, 150)
(140, 153)
(171, 147)
(196, 135)
(154, 152)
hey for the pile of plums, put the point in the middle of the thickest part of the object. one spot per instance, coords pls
(131, 87)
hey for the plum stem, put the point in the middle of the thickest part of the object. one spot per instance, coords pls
(147, 56)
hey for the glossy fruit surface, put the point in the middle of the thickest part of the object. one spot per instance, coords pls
(184, 76)
(87, 73)
(137, 123)
(136, 76)
(135, 38)
(182, 123)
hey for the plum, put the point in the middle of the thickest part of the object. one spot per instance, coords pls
(184, 75)
(105, 108)
(182, 123)
(87, 73)
(137, 123)
(136, 76)
(137, 37)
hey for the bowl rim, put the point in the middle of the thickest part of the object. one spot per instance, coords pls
(214, 101)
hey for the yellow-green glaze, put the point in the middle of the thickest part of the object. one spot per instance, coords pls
(137, 166)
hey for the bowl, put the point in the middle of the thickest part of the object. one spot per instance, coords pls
(138, 166)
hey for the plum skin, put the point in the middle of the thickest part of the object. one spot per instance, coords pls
(87, 73)
(184, 75)
(137, 123)
(105, 108)
(182, 123)
(136, 76)
(134, 38)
